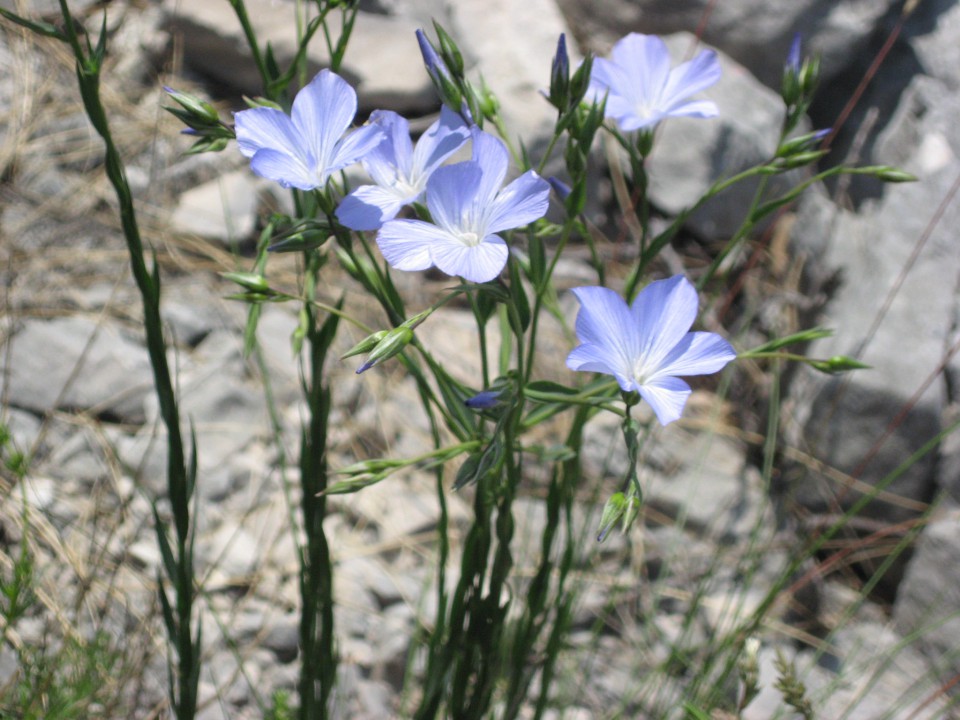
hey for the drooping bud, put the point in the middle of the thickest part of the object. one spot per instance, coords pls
(389, 345)
(484, 400)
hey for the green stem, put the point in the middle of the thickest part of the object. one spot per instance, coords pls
(180, 478)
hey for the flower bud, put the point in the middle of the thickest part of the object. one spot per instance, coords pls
(249, 281)
(439, 74)
(838, 364)
(560, 76)
(365, 345)
(802, 143)
(389, 345)
(612, 512)
(199, 109)
(484, 400)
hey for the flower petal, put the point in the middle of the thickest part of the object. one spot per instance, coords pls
(645, 61)
(451, 191)
(440, 141)
(393, 155)
(267, 128)
(699, 353)
(666, 396)
(322, 112)
(368, 207)
(476, 263)
(690, 78)
(353, 148)
(594, 358)
(663, 313)
(491, 155)
(604, 321)
(285, 169)
(695, 109)
(406, 243)
(524, 200)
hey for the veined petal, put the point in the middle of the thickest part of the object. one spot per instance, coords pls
(691, 77)
(368, 207)
(285, 169)
(406, 243)
(699, 353)
(476, 263)
(694, 108)
(492, 157)
(663, 313)
(522, 201)
(268, 128)
(606, 77)
(631, 120)
(353, 148)
(666, 396)
(590, 358)
(646, 60)
(450, 196)
(382, 163)
(322, 112)
(443, 138)
(604, 321)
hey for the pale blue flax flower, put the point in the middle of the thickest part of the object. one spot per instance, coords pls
(303, 149)
(642, 88)
(400, 171)
(469, 208)
(646, 345)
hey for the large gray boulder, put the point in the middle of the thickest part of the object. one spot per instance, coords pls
(894, 308)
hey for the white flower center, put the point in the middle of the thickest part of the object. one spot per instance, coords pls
(640, 371)
(403, 187)
(470, 239)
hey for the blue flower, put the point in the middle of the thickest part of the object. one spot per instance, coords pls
(468, 208)
(400, 171)
(303, 149)
(647, 344)
(642, 88)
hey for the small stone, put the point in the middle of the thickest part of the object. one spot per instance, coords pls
(224, 209)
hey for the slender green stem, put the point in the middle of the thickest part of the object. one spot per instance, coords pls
(180, 477)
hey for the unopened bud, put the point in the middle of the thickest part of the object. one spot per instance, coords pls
(391, 344)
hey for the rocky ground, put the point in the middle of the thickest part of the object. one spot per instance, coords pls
(878, 265)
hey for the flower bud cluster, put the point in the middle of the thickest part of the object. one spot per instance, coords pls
(202, 121)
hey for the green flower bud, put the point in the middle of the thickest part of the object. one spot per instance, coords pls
(392, 343)
(250, 281)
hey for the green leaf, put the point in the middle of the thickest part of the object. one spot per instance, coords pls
(519, 308)
(38, 26)
(548, 386)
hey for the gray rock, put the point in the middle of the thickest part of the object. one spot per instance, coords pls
(932, 36)
(229, 555)
(226, 414)
(699, 478)
(224, 209)
(23, 429)
(191, 313)
(383, 61)
(79, 364)
(79, 457)
(282, 638)
(928, 601)
(845, 420)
